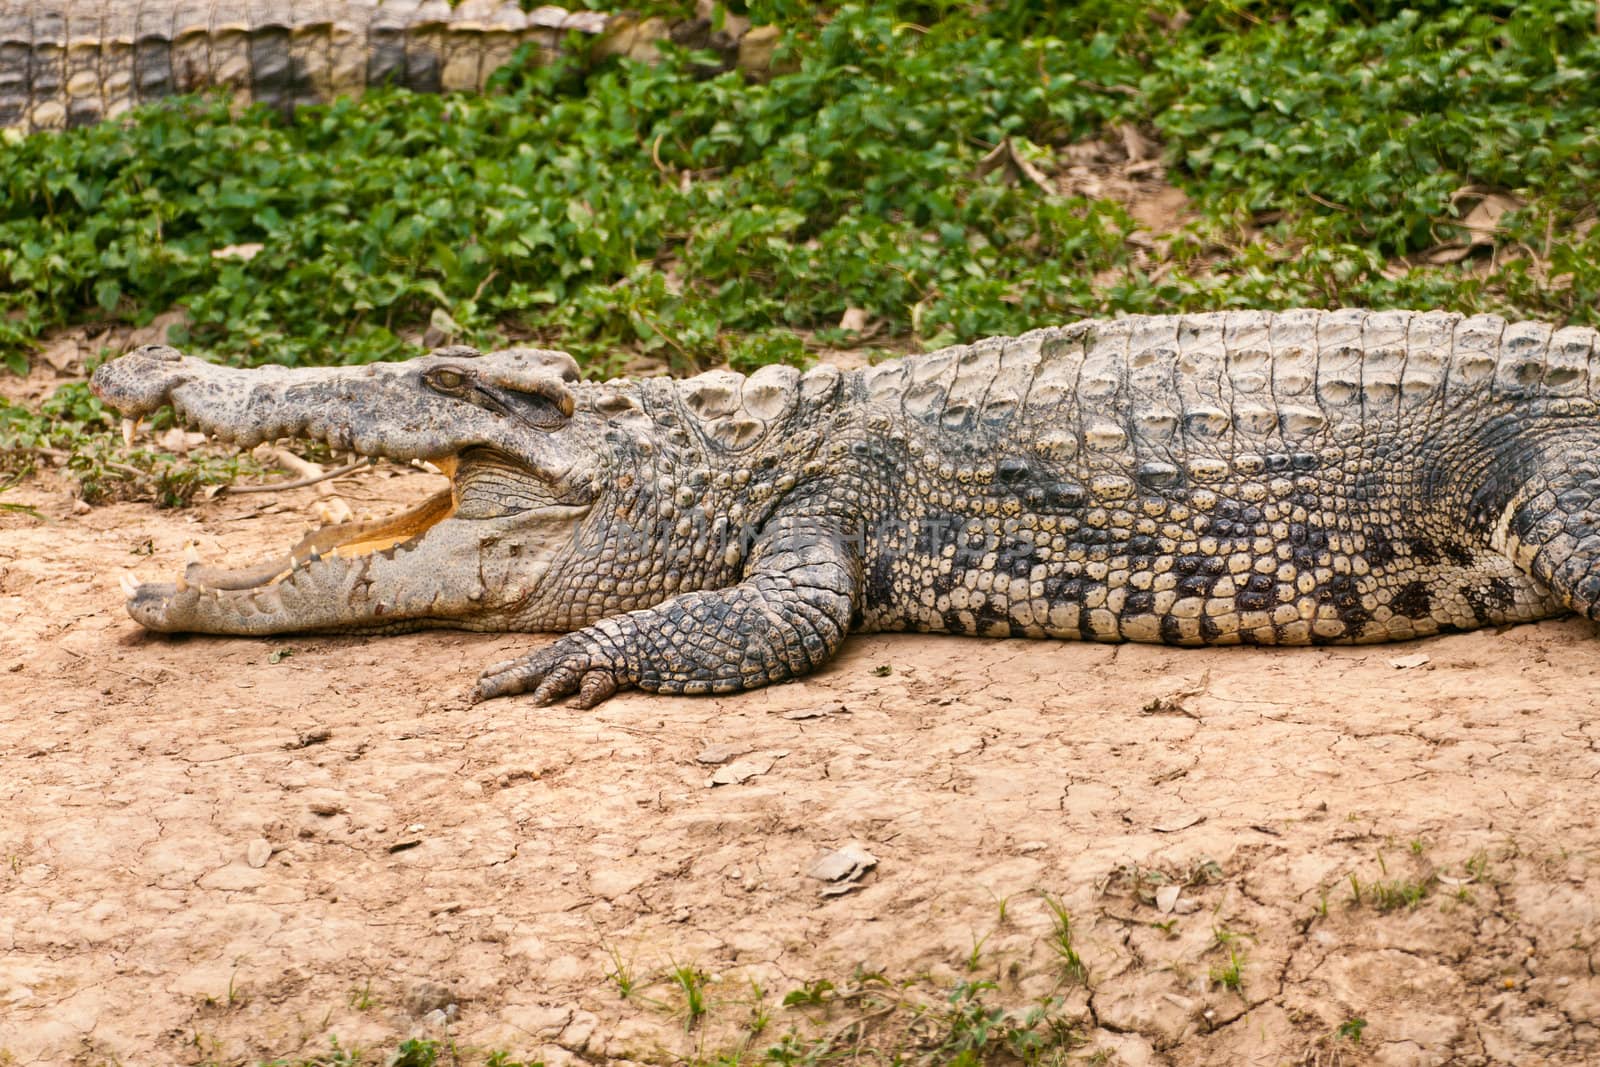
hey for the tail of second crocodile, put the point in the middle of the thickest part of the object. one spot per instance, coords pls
(75, 62)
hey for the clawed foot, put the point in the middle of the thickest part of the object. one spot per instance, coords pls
(570, 666)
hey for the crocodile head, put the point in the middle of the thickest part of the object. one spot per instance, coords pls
(526, 468)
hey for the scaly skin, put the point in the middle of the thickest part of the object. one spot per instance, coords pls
(1236, 478)
(76, 62)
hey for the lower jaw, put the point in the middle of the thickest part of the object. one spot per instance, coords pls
(345, 541)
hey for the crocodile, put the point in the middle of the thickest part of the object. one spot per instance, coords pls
(75, 62)
(1241, 477)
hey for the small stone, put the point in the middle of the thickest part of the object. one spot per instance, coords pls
(258, 852)
(801, 714)
(325, 802)
(845, 864)
(744, 770)
(1167, 898)
(579, 1031)
(426, 997)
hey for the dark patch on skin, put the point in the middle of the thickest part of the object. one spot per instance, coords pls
(1011, 470)
(1017, 558)
(880, 575)
(1065, 495)
(1066, 590)
(1535, 527)
(1379, 551)
(1424, 551)
(1209, 630)
(1344, 593)
(1170, 634)
(936, 532)
(1489, 600)
(1458, 554)
(1257, 594)
(1414, 601)
(1139, 602)
(1142, 545)
(986, 616)
(1475, 600)
(1586, 595)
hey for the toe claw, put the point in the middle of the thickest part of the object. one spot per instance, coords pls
(502, 680)
(557, 684)
(597, 686)
(560, 670)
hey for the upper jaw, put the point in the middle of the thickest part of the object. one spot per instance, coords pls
(381, 409)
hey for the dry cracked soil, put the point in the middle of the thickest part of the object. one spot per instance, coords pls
(229, 850)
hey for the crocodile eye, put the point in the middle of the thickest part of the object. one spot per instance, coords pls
(446, 380)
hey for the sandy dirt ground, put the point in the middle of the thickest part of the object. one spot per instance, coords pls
(225, 850)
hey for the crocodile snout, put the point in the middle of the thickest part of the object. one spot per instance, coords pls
(141, 381)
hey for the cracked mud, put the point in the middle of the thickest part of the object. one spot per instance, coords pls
(223, 849)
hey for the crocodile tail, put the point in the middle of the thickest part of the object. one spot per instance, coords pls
(75, 62)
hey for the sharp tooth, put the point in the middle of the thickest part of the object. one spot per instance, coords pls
(129, 428)
(333, 511)
(129, 583)
(191, 553)
(314, 555)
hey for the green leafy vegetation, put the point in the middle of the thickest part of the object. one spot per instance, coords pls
(1377, 154)
(865, 1018)
(869, 1019)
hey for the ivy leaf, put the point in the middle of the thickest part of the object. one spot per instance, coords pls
(107, 291)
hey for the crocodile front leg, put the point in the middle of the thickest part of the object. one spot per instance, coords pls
(788, 616)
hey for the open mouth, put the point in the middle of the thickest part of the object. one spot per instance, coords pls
(339, 542)
(472, 555)
(464, 557)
